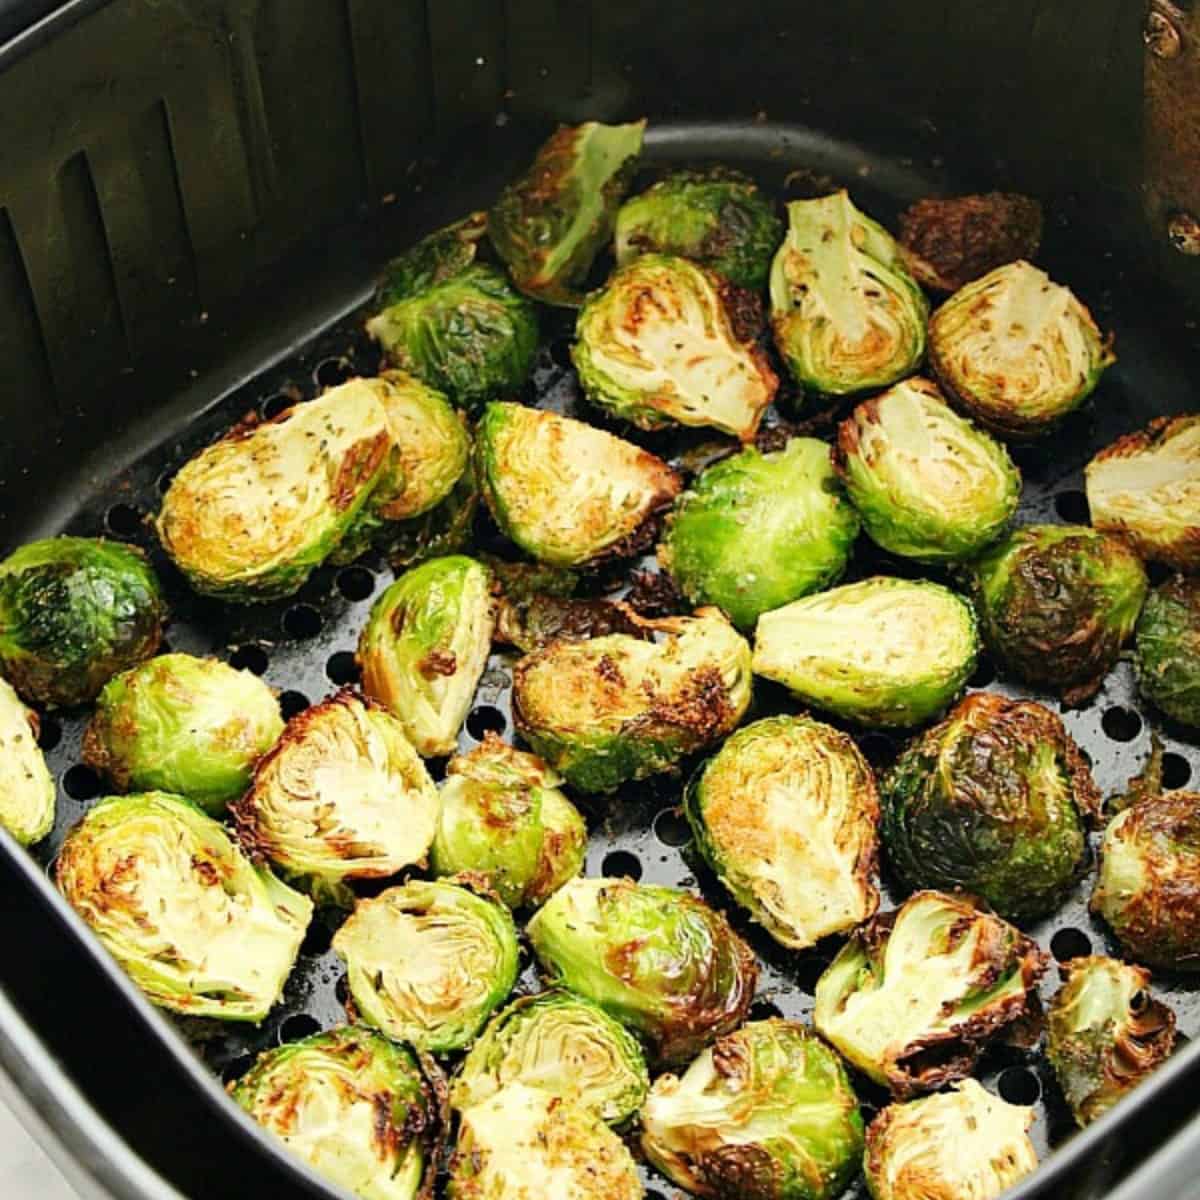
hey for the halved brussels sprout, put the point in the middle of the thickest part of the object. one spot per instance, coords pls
(367, 1115)
(1146, 486)
(883, 651)
(198, 927)
(658, 346)
(27, 791)
(756, 531)
(428, 962)
(195, 727)
(846, 313)
(995, 800)
(565, 492)
(1056, 603)
(252, 515)
(1167, 641)
(616, 708)
(504, 818)
(74, 612)
(1106, 1033)
(965, 1144)
(1017, 351)
(561, 1044)
(659, 960)
(786, 813)
(549, 224)
(915, 995)
(928, 484)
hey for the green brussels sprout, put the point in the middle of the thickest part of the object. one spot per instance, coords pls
(757, 531)
(194, 727)
(658, 959)
(434, 259)
(786, 813)
(445, 529)
(718, 218)
(915, 995)
(27, 792)
(659, 345)
(196, 925)
(533, 623)
(767, 1112)
(561, 1044)
(1017, 351)
(617, 708)
(928, 483)
(74, 612)
(367, 1115)
(428, 962)
(565, 492)
(425, 645)
(504, 818)
(1056, 603)
(846, 313)
(252, 515)
(550, 224)
(1167, 649)
(1146, 486)
(891, 652)
(1106, 1033)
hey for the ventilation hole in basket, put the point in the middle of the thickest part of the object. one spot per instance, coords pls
(355, 583)
(272, 406)
(298, 1026)
(332, 371)
(1070, 943)
(233, 1070)
(620, 864)
(81, 783)
(50, 733)
(341, 990)
(1176, 771)
(484, 720)
(764, 1010)
(342, 668)
(317, 939)
(1157, 573)
(985, 674)
(877, 747)
(123, 520)
(560, 353)
(250, 658)
(1018, 1085)
(653, 1195)
(809, 971)
(1121, 724)
(671, 828)
(302, 621)
(1072, 507)
(291, 704)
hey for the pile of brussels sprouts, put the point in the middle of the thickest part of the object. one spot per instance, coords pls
(229, 831)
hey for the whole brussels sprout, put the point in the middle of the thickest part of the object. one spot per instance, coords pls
(435, 258)
(550, 224)
(846, 313)
(768, 1111)
(658, 345)
(1106, 1033)
(198, 927)
(717, 217)
(428, 962)
(915, 995)
(928, 484)
(504, 818)
(617, 708)
(1056, 603)
(565, 492)
(191, 726)
(659, 960)
(996, 801)
(1017, 351)
(27, 791)
(561, 1044)
(883, 651)
(367, 1115)
(786, 813)
(756, 531)
(425, 645)
(1167, 645)
(73, 612)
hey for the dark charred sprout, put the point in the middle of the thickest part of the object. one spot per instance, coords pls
(27, 790)
(535, 622)
(1167, 649)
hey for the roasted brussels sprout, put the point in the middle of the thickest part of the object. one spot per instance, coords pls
(616, 708)
(74, 612)
(657, 959)
(534, 622)
(428, 962)
(1106, 1033)
(565, 492)
(786, 813)
(915, 995)
(756, 531)
(1017, 351)
(445, 529)
(846, 313)
(434, 259)
(425, 646)
(883, 651)
(996, 801)
(1167, 642)
(928, 484)
(196, 925)
(658, 346)
(549, 224)
(561, 1044)
(1056, 603)
(1146, 486)
(27, 791)
(366, 1114)
(965, 1144)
